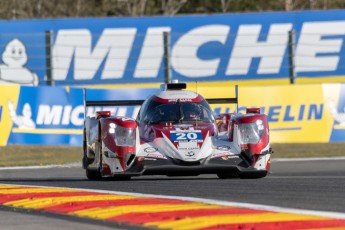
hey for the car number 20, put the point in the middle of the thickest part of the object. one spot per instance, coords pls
(186, 136)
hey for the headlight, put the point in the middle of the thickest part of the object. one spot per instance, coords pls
(251, 133)
(124, 136)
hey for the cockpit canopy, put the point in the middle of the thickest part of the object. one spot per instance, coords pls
(155, 111)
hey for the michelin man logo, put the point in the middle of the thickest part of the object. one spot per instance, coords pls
(14, 58)
(23, 121)
(339, 117)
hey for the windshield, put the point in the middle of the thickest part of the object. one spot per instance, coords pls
(179, 112)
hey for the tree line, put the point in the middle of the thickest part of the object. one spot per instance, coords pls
(27, 9)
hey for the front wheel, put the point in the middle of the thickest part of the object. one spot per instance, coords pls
(93, 174)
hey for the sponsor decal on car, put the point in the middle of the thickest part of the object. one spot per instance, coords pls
(181, 100)
(155, 155)
(188, 148)
(223, 147)
(149, 159)
(186, 136)
(190, 153)
(150, 150)
(220, 154)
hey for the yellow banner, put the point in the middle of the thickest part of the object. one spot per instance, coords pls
(8, 99)
(296, 113)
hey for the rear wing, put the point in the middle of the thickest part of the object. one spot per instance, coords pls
(233, 100)
(109, 102)
(113, 103)
(140, 102)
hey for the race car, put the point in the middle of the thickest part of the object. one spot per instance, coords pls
(176, 134)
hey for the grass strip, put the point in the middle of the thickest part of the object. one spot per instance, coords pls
(296, 150)
(27, 155)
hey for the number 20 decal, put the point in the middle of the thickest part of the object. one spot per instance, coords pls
(186, 136)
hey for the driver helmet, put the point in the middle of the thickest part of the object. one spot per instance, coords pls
(192, 111)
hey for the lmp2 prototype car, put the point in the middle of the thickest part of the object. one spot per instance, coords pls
(175, 134)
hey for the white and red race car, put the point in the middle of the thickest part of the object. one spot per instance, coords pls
(175, 134)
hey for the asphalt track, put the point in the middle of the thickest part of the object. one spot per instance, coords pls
(309, 185)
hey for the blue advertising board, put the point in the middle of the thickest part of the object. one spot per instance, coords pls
(54, 115)
(219, 47)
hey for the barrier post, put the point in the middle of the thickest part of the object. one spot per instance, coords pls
(49, 57)
(167, 67)
(291, 53)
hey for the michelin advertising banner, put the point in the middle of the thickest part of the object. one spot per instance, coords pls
(219, 47)
(296, 113)
(29, 116)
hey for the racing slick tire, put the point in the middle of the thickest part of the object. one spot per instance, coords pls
(93, 174)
